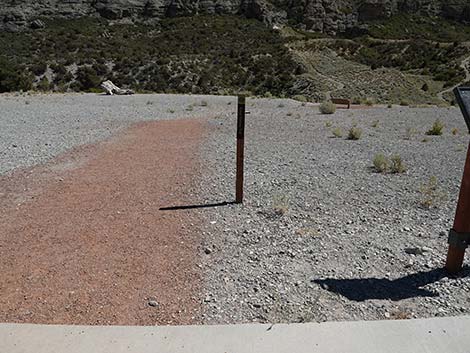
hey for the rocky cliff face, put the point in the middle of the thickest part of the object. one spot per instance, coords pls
(329, 16)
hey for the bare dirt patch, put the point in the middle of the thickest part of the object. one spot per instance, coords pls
(82, 240)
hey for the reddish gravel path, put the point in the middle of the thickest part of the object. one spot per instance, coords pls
(82, 240)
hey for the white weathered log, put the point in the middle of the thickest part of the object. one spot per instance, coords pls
(111, 89)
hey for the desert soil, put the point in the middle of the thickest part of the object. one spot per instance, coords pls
(320, 236)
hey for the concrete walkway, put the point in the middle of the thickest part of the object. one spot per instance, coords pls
(414, 336)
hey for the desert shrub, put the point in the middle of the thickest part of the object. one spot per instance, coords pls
(375, 123)
(327, 108)
(436, 129)
(455, 131)
(44, 84)
(337, 132)
(204, 103)
(38, 68)
(381, 163)
(397, 165)
(404, 103)
(356, 100)
(369, 102)
(300, 98)
(354, 133)
(389, 106)
(431, 194)
(409, 133)
(87, 78)
(280, 204)
(328, 124)
(12, 78)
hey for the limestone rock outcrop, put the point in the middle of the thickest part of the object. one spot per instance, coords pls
(329, 16)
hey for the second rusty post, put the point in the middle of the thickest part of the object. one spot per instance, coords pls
(459, 237)
(240, 148)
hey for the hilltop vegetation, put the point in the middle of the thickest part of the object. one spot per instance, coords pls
(404, 51)
(201, 54)
(404, 57)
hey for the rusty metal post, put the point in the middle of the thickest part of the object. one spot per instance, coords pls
(240, 148)
(459, 235)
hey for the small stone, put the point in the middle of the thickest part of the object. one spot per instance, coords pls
(208, 251)
(153, 303)
(414, 251)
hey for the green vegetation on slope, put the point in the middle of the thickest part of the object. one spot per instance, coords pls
(405, 26)
(441, 61)
(199, 54)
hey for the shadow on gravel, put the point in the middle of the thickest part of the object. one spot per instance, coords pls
(188, 207)
(361, 289)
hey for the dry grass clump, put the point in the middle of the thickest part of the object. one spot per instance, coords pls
(337, 132)
(327, 108)
(381, 163)
(404, 103)
(431, 194)
(409, 133)
(397, 166)
(280, 205)
(436, 129)
(354, 133)
(300, 98)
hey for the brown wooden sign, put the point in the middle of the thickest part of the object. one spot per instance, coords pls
(240, 148)
(341, 101)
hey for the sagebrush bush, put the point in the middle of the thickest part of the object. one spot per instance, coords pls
(280, 204)
(337, 132)
(300, 98)
(404, 103)
(409, 133)
(354, 133)
(381, 163)
(431, 195)
(397, 165)
(436, 129)
(327, 108)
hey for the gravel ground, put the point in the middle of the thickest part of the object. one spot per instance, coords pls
(35, 128)
(320, 236)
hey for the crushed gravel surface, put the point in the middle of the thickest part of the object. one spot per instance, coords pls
(321, 235)
(36, 128)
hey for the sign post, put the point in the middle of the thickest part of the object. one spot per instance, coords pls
(240, 148)
(459, 235)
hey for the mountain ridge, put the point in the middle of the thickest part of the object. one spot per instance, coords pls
(327, 16)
